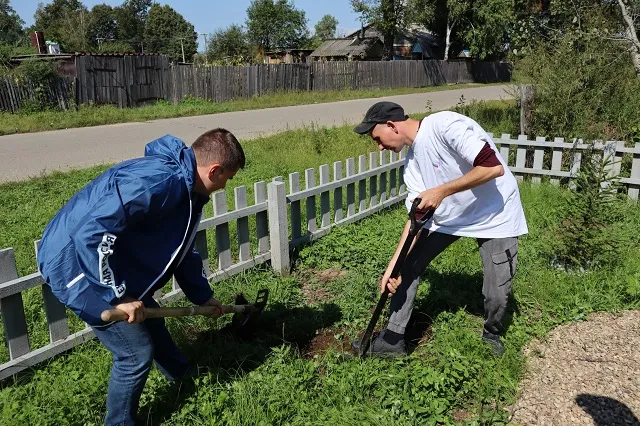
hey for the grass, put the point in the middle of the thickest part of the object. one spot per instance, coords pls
(85, 116)
(273, 380)
(280, 377)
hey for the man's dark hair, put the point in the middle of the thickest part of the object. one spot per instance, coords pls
(219, 146)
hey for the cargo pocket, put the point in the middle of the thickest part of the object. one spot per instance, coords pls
(506, 260)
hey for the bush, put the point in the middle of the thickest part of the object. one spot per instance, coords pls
(576, 93)
(587, 237)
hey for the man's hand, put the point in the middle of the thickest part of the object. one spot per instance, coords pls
(214, 302)
(134, 309)
(389, 283)
(431, 198)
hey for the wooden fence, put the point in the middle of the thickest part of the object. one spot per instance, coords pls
(287, 214)
(15, 93)
(131, 81)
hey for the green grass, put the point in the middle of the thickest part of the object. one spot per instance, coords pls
(270, 381)
(94, 116)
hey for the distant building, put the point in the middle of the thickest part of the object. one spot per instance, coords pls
(367, 44)
(287, 56)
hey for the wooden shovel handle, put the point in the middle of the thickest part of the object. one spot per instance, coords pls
(118, 315)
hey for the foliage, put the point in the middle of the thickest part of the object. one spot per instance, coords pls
(66, 22)
(477, 26)
(11, 24)
(131, 17)
(276, 24)
(325, 29)
(589, 236)
(103, 25)
(229, 45)
(115, 47)
(166, 31)
(575, 92)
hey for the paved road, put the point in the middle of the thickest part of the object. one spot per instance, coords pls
(31, 154)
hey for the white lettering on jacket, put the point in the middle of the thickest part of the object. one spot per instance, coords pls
(106, 274)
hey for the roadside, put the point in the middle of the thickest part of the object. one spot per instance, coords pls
(26, 155)
(86, 116)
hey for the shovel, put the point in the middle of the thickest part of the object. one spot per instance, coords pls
(418, 219)
(244, 314)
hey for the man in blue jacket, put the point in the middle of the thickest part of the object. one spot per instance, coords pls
(122, 237)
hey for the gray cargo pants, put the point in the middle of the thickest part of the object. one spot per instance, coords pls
(499, 260)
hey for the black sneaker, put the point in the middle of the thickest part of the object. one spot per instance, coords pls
(381, 349)
(493, 340)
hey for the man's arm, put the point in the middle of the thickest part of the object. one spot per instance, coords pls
(431, 198)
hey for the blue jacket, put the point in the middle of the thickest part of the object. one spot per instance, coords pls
(126, 233)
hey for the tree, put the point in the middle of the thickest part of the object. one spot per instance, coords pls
(387, 15)
(326, 28)
(102, 25)
(480, 26)
(229, 44)
(131, 17)
(10, 24)
(66, 22)
(276, 25)
(166, 31)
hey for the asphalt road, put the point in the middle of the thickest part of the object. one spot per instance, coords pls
(31, 154)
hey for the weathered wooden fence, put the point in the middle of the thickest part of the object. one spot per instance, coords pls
(15, 93)
(131, 81)
(287, 214)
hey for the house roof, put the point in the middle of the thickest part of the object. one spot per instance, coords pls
(346, 47)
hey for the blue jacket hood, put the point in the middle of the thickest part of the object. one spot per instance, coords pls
(171, 147)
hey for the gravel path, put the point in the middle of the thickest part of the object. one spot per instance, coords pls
(586, 373)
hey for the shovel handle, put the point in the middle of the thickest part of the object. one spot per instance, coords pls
(118, 315)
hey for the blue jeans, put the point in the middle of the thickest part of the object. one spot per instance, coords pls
(134, 347)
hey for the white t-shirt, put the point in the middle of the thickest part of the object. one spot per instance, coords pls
(444, 149)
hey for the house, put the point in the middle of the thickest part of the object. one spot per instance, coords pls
(367, 44)
(345, 49)
(287, 56)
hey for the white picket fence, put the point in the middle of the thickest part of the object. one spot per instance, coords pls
(277, 211)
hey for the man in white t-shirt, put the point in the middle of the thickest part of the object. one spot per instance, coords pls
(453, 166)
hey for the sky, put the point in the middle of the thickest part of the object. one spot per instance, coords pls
(207, 16)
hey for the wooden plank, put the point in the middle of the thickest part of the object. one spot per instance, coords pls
(12, 309)
(223, 242)
(296, 215)
(521, 155)
(325, 204)
(351, 188)
(244, 248)
(634, 191)
(556, 160)
(393, 181)
(310, 202)
(383, 176)
(337, 193)
(262, 221)
(373, 180)
(362, 184)
(504, 148)
(55, 311)
(538, 159)
(278, 227)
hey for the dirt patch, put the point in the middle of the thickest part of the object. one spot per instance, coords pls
(461, 414)
(586, 373)
(314, 294)
(328, 275)
(325, 340)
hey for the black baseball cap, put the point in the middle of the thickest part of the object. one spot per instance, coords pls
(380, 113)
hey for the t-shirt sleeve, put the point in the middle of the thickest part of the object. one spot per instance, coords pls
(461, 136)
(412, 178)
(486, 157)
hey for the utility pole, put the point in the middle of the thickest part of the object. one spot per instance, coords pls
(182, 47)
(206, 46)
